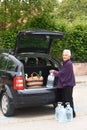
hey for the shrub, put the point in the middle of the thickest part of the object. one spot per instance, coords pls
(75, 38)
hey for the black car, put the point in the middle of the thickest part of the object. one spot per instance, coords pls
(31, 54)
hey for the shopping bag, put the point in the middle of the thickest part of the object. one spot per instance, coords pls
(34, 80)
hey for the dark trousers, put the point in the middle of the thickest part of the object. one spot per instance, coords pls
(66, 95)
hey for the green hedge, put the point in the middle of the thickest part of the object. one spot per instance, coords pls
(75, 39)
(8, 38)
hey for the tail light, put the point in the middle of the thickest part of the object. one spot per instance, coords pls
(18, 83)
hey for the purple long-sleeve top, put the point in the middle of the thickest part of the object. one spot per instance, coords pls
(65, 75)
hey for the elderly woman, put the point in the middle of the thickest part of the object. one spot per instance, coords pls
(66, 79)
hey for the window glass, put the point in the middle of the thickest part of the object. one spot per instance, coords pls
(32, 41)
(3, 62)
(11, 65)
(49, 63)
(44, 62)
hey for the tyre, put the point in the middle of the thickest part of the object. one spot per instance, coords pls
(6, 106)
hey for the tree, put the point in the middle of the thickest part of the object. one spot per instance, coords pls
(69, 16)
(72, 10)
(15, 14)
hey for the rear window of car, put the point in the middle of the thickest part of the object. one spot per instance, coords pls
(33, 42)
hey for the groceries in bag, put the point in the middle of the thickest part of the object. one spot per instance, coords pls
(34, 80)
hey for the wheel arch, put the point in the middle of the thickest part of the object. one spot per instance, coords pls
(7, 102)
(6, 88)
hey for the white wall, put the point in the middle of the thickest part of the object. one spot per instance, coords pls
(80, 68)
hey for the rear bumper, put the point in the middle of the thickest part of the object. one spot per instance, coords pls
(35, 97)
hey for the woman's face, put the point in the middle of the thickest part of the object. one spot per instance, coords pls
(65, 56)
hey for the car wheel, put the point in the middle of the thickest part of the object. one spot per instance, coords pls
(6, 106)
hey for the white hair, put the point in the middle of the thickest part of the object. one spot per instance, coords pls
(67, 51)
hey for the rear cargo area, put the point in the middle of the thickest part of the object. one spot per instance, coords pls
(38, 67)
(43, 70)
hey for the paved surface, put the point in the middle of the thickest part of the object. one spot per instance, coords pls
(43, 118)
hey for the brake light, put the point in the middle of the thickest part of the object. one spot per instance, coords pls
(18, 83)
